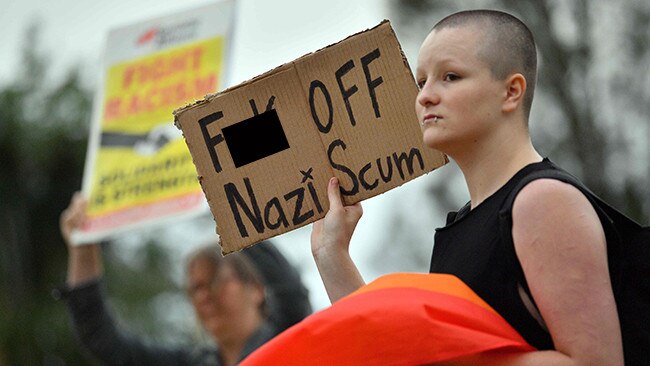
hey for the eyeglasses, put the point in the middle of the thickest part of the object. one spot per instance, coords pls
(216, 284)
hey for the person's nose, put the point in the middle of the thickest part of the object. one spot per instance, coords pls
(201, 294)
(428, 94)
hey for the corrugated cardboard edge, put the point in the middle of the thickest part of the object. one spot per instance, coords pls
(273, 71)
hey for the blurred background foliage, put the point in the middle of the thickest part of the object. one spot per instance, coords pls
(43, 139)
(590, 115)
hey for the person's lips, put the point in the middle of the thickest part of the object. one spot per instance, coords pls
(430, 118)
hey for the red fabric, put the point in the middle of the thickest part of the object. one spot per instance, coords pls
(400, 319)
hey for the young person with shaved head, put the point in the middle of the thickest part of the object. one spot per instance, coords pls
(548, 274)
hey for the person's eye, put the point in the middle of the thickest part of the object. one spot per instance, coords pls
(450, 76)
(421, 83)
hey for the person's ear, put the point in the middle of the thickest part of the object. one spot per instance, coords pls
(515, 88)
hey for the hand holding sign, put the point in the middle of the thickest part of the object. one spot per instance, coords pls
(330, 242)
(335, 230)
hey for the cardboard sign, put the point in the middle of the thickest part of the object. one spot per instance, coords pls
(265, 149)
(138, 169)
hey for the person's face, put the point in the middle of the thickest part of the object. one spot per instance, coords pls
(220, 299)
(459, 100)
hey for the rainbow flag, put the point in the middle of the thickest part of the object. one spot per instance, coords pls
(398, 319)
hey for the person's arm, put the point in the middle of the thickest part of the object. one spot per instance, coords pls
(330, 242)
(84, 261)
(93, 322)
(561, 246)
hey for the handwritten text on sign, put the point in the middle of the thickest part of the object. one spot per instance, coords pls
(289, 208)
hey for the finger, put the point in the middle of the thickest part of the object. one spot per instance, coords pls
(72, 216)
(334, 193)
(77, 196)
(78, 201)
(65, 217)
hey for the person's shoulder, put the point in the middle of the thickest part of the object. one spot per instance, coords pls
(548, 195)
(554, 210)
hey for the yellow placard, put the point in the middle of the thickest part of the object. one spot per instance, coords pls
(142, 159)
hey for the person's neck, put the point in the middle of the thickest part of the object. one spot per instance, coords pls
(489, 168)
(232, 347)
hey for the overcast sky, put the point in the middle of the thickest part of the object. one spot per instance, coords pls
(267, 33)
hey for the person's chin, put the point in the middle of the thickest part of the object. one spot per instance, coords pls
(431, 138)
(214, 326)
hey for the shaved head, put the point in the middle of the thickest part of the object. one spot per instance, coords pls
(508, 46)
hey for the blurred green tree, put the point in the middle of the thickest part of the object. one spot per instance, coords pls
(44, 127)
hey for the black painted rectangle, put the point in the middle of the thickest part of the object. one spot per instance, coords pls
(255, 138)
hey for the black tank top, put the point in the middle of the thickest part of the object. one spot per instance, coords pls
(471, 247)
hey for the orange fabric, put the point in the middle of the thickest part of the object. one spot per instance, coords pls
(442, 283)
(400, 319)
